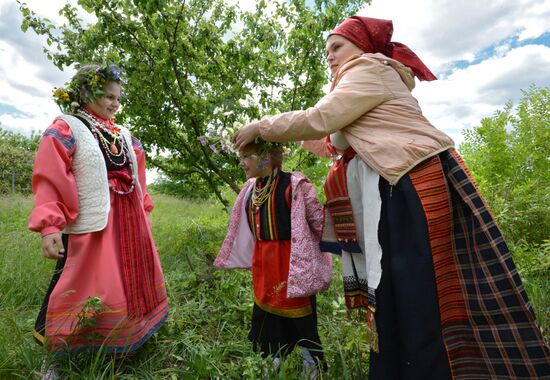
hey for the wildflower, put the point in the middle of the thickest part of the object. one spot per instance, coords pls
(59, 92)
(61, 96)
(116, 72)
(201, 140)
(113, 129)
(214, 149)
(95, 79)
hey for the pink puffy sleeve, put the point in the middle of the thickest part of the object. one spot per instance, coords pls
(140, 156)
(53, 183)
(317, 147)
(314, 209)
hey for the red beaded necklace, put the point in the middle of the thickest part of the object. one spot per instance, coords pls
(97, 125)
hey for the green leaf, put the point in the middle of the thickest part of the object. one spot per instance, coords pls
(24, 25)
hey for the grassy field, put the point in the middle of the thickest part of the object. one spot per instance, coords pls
(206, 334)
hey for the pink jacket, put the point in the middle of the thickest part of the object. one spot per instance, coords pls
(310, 270)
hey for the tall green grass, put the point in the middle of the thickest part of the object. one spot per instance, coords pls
(206, 333)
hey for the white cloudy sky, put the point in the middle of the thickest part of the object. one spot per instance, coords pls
(483, 52)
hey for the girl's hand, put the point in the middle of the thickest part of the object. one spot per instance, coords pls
(52, 246)
(245, 135)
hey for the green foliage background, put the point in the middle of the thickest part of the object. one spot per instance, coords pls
(195, 67)
(509, 156)
(16, 159)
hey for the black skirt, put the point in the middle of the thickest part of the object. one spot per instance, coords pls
(407, 315)
(271, 334)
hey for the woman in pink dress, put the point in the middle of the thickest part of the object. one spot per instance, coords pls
(91, 209)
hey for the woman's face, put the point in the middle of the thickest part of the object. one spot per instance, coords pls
(339, 50)
(107, 106)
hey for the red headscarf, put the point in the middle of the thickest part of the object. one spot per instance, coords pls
(373, 35)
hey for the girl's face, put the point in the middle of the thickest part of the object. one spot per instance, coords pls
(338, 50)
(253, 164)
(107, 106)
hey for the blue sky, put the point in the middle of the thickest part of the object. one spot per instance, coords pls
(483, 53)
(490, 51)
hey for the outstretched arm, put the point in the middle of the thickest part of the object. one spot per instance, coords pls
(359, 90)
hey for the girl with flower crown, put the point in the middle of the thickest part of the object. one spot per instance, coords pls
(91, 209)
(275, 229)
(421, 252)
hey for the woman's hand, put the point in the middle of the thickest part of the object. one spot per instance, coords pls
(245, 135)
(52, 246)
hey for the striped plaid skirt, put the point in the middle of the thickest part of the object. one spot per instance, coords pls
(450, 302)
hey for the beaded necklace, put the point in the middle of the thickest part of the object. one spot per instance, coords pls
(111, 151)
(260, 195)
(110, 130)
(96, 127)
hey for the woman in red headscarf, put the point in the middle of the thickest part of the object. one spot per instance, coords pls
(420, 249)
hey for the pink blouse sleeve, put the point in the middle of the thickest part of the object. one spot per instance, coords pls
(317, 147)
(140, 156)
(53, 183)
(314, 209)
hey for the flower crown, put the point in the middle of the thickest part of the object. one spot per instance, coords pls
(85, 86)
(223, 141)
(263, 146)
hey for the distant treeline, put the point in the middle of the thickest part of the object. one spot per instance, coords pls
(17, 154)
